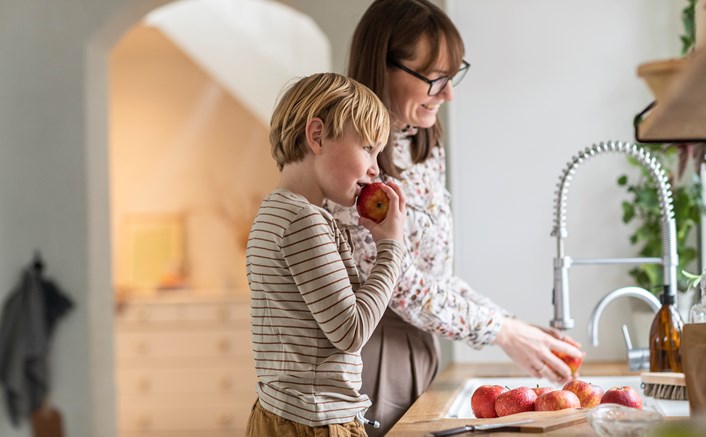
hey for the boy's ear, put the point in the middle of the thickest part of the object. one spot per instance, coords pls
(314, 134)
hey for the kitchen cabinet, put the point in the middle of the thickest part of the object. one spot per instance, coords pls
(184, 365)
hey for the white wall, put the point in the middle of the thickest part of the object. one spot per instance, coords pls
(549, 78)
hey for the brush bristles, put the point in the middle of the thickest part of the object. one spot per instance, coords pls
(665, 391)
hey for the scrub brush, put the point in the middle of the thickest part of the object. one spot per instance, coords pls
(664, 385)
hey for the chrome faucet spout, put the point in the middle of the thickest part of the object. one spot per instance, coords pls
(636, 292)
(562, 262)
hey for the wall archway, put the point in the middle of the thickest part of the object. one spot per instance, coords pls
(100, 300)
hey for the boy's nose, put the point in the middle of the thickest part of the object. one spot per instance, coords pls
(374, 170)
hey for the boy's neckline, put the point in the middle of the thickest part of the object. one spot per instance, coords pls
(287, 191)
(301, 197)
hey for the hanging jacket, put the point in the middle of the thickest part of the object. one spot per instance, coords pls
(29, 315)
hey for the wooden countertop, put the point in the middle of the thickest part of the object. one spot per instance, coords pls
(426, 415)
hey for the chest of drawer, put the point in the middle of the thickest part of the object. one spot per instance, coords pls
(236, 379)
(144, 316)
(181, 419)
(134, 346)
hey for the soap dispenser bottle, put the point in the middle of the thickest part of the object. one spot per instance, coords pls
(665, 337)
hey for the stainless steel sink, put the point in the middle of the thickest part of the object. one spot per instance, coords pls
(461, 405)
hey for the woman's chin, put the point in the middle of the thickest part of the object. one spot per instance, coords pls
(426, 121)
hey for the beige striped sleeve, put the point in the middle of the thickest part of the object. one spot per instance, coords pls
(347, 318)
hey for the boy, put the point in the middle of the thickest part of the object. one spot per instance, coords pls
(310, 315)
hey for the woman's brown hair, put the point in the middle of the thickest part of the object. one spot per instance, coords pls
(390, 30)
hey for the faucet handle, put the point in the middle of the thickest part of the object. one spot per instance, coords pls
(638, 358)
(626, 336)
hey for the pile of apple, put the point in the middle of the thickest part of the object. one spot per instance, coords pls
(490, 401)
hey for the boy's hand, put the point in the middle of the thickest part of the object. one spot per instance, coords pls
(393, 226)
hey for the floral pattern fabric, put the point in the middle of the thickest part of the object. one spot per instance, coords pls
(428, 295)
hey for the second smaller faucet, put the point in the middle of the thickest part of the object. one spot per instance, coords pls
(638, 358)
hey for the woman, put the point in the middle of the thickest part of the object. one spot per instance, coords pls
(411, 55)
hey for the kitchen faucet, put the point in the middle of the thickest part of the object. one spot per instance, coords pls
(669, 260)
(638, 358)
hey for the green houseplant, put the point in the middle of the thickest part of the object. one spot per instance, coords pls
(642, 206)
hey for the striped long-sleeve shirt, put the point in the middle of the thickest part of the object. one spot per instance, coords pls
(310, 315)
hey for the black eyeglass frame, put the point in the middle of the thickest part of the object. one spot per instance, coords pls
(455, 79)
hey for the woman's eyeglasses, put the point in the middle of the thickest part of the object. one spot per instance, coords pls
(437, 85)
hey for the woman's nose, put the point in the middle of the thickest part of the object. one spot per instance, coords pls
(448, 92)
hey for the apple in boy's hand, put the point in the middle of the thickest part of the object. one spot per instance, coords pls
(517, 400)
(372, 202)
(589, 394)
(557, 400)
(623, 395)
(483, 400)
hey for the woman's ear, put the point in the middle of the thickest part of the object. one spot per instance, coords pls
(314, 134)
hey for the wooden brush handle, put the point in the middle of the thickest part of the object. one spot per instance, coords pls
(666, 378)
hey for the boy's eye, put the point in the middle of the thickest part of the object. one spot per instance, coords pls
(368, 148)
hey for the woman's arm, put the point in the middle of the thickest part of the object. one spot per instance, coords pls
(449, 308)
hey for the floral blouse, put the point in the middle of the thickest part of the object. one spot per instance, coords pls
(428, 295)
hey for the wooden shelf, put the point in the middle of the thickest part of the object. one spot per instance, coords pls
(660, 75)
(679, 86)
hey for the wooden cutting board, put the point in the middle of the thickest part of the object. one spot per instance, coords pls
(543, 421)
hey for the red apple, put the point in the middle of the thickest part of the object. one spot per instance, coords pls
(517, 400)
(372, 202)
(557, 400)
(589, 394)
(541, 390)
(623, 395)
(573, 363)
(483, 400)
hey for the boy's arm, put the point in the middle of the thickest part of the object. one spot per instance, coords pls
(311, 252)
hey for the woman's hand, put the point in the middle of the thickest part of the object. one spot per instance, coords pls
(393, 226)
(531, 347)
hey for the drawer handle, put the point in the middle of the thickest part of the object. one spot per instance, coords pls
(224, 345)
(144, 421)
(144, 384)
(142, 347)
(226, 419)
(143, 315)
(226, 383)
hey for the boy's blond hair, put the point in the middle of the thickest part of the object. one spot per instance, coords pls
(335, 99)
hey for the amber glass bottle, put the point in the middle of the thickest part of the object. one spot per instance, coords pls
(665, 337)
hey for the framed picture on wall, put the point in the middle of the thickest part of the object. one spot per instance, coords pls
(156, 251)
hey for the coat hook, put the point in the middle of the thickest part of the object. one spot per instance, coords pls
(38, 263)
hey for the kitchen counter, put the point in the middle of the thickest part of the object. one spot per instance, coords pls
(427, 414)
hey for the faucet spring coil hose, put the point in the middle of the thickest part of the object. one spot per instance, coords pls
(641, 155)
(562, 262)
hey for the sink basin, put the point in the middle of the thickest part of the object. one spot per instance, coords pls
(461, 405)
